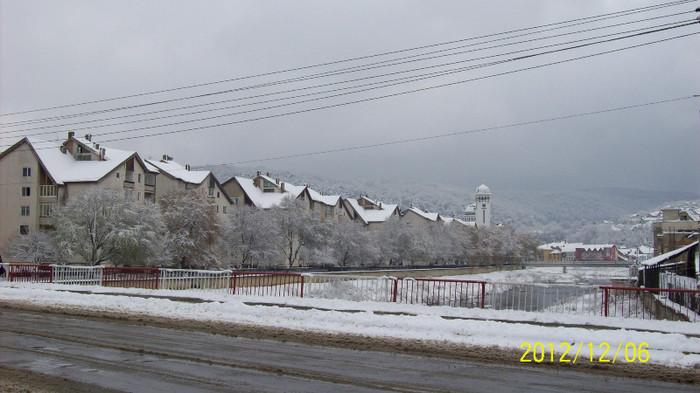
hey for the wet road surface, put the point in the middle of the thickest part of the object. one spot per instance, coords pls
(135, 358)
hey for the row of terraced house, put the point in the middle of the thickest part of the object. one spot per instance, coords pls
(36, 176)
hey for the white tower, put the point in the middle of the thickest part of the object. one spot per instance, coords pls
(483, 206)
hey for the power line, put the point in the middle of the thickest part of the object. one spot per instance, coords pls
(591, 18)
(451, 134)
(378, 97)
(332, 83)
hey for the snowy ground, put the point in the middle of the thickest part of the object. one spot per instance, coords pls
(669, 343)
(552, 275)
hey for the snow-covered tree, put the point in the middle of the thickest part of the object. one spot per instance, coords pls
(37, 247)
(251, 238)
(140, 239)
(352, 244)
(401, 243)
(193, 229)
(99, 225)
(299, 229)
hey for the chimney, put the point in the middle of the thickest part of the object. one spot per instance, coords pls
(268, 174)
(256, 181)
(88, 137)
(187, 167)
(282, 187)
(277, 181)
(102, 154)
(97, 146)
(165, 157)
(63, 149)
(71, 134)
(258, 173)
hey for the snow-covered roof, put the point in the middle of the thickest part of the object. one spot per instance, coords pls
(381, 214)
(450, 220)
(64, 168)
(668, 255)
(180, 172)
(428, 216)
(562, 246)
(329, 200)
(267, 200)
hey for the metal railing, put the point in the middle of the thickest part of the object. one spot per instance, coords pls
(267, 284)
(651, 303)
(628, 302)
(440, 292)
(47, 190)
(201, 280)
(130, 277)
(557, 298)
(669, 280)
(355, 288)
(76, 275)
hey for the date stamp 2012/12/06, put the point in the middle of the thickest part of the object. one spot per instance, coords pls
(571, 353)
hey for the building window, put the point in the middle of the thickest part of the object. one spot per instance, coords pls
(329, 210)
(26, 191)
(235, 200)
(217, 208)
(117, 175)
(24, 229)
(45, 210)
(139, 178)
(217, 194)
(25, 210)
(26, 172)
(138, 195)
(225, 210)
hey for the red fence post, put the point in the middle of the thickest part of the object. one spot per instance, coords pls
(483, 294)
(302, 285)
(605, 301)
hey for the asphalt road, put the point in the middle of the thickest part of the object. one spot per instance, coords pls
(135, 358)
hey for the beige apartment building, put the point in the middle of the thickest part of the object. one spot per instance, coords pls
(36, 176)
(676, 229)
(176, 177)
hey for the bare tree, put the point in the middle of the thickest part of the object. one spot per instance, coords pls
(193, 229)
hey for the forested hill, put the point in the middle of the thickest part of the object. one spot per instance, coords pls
(523, 210)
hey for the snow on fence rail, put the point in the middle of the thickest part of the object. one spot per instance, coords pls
(651, 303)
(30, 273)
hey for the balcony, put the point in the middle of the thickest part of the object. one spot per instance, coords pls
(48, 191)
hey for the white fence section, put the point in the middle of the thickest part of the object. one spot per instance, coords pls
(674, 281)
(356, 288)
(77, 275)
(203, 280)
(558, 298)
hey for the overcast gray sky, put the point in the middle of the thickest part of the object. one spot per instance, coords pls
(55, 53)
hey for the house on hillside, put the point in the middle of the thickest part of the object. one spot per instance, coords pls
(677, 228)
(372, 214)
(577, 252)
(418, 218)
(327, 208)
(262, 192)
(36, 176)
(176, 177)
